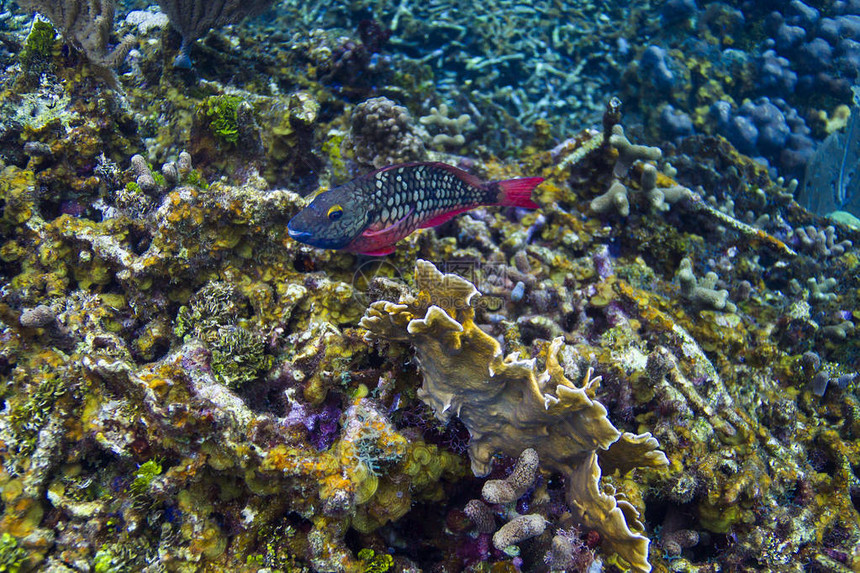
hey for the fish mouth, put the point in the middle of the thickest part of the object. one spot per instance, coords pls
(309, 238)
(301, 236)
(314, 239)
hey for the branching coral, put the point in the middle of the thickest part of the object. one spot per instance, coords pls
(615, 198)
(818, 243)
(702, 291)
(660, 189)
(508, 405)
(451, 130)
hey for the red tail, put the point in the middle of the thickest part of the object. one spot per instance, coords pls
(518, 192)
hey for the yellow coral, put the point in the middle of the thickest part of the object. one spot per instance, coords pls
(367, 484)
(424, 464)
(391, 502)
(17, 190)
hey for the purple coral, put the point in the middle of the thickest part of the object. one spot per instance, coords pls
(326, 427)
(374, 35)
(454, 436)
(475, 549)
(322, 427)
(603, 262)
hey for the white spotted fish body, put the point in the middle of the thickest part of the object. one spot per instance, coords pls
(371, 213)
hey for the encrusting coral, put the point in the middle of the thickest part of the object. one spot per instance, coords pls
(508, 405)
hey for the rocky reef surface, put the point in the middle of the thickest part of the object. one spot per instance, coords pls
(656, 370)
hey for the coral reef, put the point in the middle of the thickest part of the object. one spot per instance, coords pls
(507, 406)
(184, 387)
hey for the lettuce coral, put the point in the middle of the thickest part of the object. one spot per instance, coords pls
(509, 406)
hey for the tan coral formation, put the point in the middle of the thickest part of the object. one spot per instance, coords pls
(87, 25)
(508, 405)
(515, 485)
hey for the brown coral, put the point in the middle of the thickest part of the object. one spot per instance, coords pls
(383, 133)
(508, 405)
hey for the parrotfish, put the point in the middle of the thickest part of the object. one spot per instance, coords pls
(371, 213)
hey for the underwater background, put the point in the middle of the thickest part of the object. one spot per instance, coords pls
(656, 370)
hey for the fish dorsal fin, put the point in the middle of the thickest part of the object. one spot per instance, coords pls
(443, 218)
(316, 193)
(464, 176)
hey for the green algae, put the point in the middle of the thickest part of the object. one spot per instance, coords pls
(147, 472)
(220, 112)
(39, 45)
(12, 557)
(372, 562)
(214, 305)
(106, 562)
(238, 354)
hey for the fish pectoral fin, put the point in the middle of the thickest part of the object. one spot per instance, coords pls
(391, 229)
(443, 218)
(378, 252)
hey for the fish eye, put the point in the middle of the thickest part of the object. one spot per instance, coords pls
(335, 212)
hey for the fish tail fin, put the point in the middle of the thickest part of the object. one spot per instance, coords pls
(518, 192)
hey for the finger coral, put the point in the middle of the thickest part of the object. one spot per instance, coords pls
(508, 405)
(516, 484)
(518, 528)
